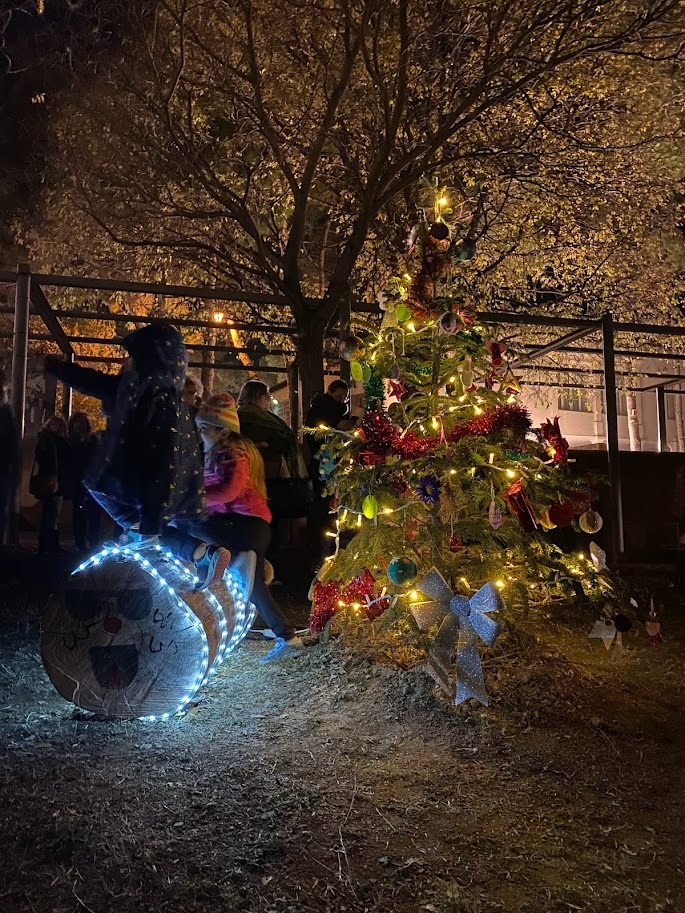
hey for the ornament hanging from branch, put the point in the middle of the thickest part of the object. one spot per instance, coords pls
(352, 348)
(518, 502)
(495, 518)
(590, 522)
(653, 626)
(464, 620)
(466, 250)
(561, 513)
(598, 557)
(557, 443)
(428, 489)
(402, 571)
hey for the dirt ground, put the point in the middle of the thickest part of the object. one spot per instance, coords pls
(336, 784)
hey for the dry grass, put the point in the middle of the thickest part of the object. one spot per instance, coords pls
(335, 784)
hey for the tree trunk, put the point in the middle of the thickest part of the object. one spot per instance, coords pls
(633, 421)
(310, 363)
(207, 370)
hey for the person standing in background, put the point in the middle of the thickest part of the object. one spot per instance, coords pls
(275, 440)
(51, 481)
(9, 459)
(330, 409)
(85, 512)
(287, 481)
(193, 391)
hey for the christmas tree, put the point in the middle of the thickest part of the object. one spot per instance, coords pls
(445, 470)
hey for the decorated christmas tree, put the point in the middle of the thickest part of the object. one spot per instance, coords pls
(445, 470)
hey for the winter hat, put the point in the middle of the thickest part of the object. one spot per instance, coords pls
(220, 410)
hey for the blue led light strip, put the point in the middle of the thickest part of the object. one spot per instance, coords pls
(244, 611)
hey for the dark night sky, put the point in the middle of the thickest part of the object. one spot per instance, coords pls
(41, 55)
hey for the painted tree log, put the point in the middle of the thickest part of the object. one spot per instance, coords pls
(132, 638)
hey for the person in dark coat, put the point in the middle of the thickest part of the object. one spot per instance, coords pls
(147, 468)
(193, 391)
(276, 441)
(85, 511)
(330, 409)
(52, 460)
(9, 458)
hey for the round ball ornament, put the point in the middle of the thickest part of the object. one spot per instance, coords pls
(449, 323)
(439, 231)
(370, 507)
(402, 571)
(356, 372)
(561, 513)
(132, 638)
(590, 522)
(402, 313)
(455, 544)
(352, 348)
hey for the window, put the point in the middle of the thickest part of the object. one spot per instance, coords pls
(670, 407)
(621, 402)
(573, 401)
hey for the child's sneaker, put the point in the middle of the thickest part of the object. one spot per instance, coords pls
(212, 566)
(283, 649)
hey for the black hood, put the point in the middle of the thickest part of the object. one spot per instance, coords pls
(158, 351)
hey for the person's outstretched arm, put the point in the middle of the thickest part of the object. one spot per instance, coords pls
(84, 380)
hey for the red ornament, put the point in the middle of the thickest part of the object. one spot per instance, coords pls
(369, 458)
(561, 513)
(551, 433)
(496, 350)
(398, 389)
(456, 544)
(400, 485)
(580, 501)
(518, 502)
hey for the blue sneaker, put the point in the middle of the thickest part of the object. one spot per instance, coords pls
(212, 566)
(283, 649)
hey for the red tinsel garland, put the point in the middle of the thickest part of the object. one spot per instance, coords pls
(361, 589)
(377, 430)
(511, 417)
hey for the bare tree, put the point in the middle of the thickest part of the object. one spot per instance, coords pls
(264, 141)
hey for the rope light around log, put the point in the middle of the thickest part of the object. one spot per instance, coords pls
(134, 639)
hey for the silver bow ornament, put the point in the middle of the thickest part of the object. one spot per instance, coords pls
(464, 620)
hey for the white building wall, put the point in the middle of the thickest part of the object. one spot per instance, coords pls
(583, 425)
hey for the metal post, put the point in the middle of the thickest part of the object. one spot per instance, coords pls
(20, 343)
(616, 541)
(67, 396)
(294, 396)
(662, 437)
(345, 316)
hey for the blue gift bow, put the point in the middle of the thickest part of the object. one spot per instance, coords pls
(465, 621)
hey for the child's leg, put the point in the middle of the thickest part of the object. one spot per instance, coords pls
(211, 561)
(241, 533)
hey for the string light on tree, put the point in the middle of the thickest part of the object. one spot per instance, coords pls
(451, 474)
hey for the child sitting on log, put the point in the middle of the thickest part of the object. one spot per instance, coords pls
(147, 468)
(238, 516)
